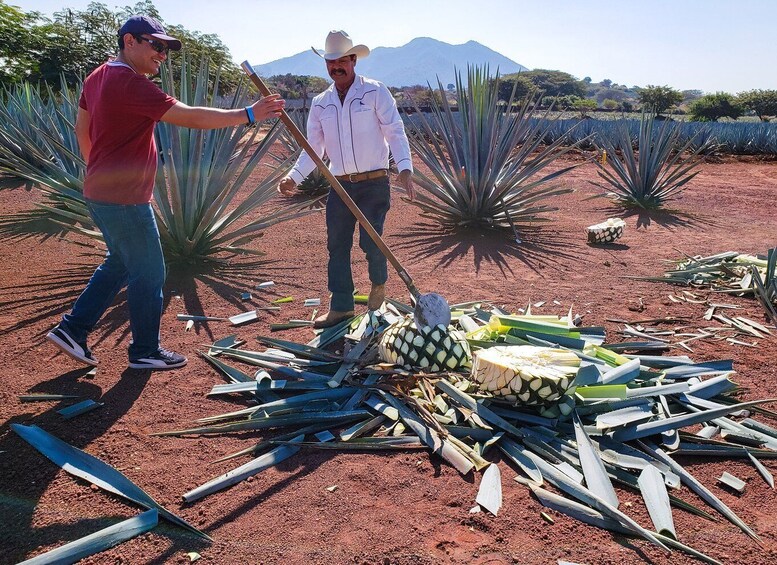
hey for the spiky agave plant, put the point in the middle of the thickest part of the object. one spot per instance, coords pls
(487, 162)
(206, 196)
(315, 185)
(38, 144)
(657, 170)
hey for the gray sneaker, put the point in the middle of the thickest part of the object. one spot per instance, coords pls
(162, 359)
(59, 337)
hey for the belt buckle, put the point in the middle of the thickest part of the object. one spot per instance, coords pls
(351, 177)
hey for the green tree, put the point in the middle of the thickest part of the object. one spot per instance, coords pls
(610, 93)
(74, 42)
(16, 43)
(659, 98)
(523, 86)
(554, 83)
(762, 102)
(691, 95)
(198, 45)
(583, 105)
(610, 104)
(712, 107)
(295, 87)
(423, 96)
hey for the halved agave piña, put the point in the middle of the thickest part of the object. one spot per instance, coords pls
(607, 231)
(432, 349)
(525, 374)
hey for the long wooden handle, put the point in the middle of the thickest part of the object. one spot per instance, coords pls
(303, 142)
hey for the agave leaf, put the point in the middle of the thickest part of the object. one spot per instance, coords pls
(98, 541)
(622, 374)
(265, 386)
(598, 392)
(596, 478)
(658, 390)
(250, 469)
(734, 483)
(699, 369)
(676, 422)
(230, 341)
(233, 374)
(339, 417)
(653, 489)
(299, 349)
(490, 490)
(752, 436)
(362, 444)
(470, 403)
(43, 397)
(79, 408)
(759, 427)
(515, 452)
(92, 469)
(700, 489)
(252, 357)
(625, 416)
(333, 395)
(564, 483)
(262, 445)
(712, 387)
(765, 473)
(348, 363)
(593, 517)
(430, 437)
(714, 448)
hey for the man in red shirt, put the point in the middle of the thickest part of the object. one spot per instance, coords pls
(118, 109)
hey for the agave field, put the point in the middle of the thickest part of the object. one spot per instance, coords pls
(592, 403)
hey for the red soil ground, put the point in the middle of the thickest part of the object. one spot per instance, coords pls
(406, 507)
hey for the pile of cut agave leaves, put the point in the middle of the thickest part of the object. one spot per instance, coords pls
(623, 420)
(731, 272)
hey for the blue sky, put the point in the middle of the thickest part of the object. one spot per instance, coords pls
(711, 45)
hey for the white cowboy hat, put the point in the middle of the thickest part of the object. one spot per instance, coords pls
(338, 44)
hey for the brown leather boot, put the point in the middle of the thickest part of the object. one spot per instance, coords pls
(331, 318)
(377, 296)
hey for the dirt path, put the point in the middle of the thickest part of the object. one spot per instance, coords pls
(388, 508)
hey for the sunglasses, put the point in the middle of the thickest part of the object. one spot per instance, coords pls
(157, 46)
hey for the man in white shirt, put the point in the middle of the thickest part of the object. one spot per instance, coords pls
(355, 122)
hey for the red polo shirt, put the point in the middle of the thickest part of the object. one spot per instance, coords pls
(123, 108)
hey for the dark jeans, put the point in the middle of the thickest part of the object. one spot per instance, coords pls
(134, 260)
(373, 198)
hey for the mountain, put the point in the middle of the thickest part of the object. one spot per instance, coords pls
(420, 61)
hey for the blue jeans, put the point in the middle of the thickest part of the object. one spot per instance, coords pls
(134, 260)
(373, 198)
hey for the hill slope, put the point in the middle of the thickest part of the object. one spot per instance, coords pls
(418, 62)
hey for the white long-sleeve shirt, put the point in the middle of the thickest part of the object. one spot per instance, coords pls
(357, 134)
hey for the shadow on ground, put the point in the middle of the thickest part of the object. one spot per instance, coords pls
(539, 247)
(48, 297)
(25, 474)
(666, 218)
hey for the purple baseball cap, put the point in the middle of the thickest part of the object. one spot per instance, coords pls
(144, 24)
